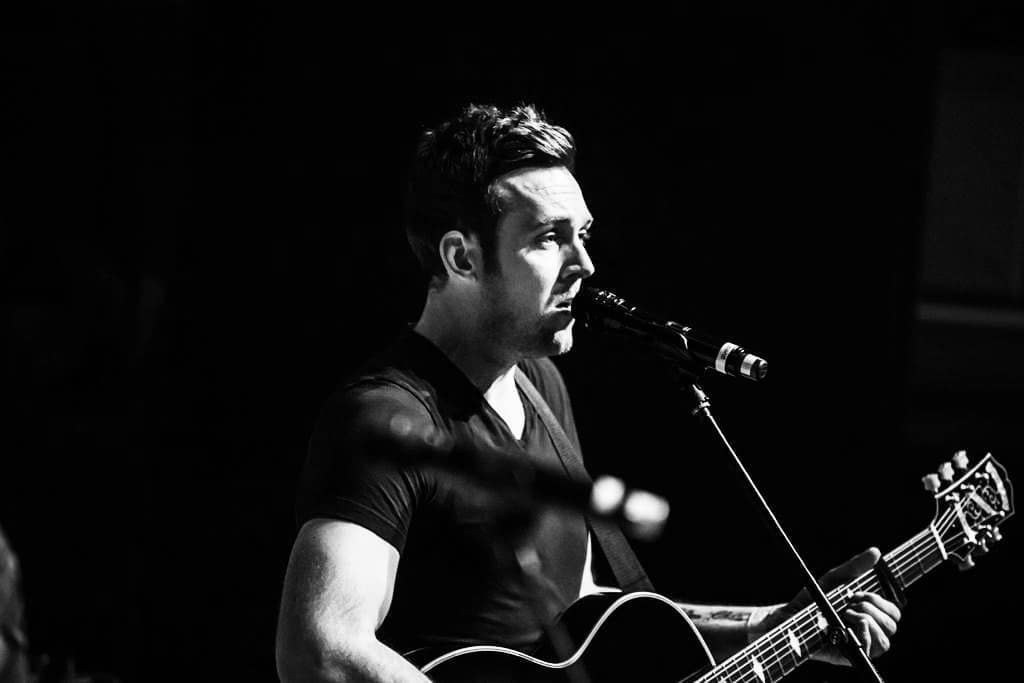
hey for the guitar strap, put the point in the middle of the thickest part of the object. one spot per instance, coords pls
(624, 564)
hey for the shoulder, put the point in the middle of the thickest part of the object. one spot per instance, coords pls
(366, 404)
(383, 385)
(389, 380)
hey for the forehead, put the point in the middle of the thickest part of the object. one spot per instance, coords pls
(540, 195)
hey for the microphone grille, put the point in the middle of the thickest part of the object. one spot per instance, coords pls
(591, 297)
(596, 307)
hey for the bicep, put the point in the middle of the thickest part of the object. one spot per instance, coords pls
(353, 473)
(339, 583)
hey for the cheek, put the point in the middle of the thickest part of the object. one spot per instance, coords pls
(542, 268)
(537, 286)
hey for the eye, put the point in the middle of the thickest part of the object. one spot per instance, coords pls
(548, 237)
(585, 236)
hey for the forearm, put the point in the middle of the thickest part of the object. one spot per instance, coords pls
(367, 660)
(727, 628)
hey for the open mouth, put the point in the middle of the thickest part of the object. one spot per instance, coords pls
(565, 305)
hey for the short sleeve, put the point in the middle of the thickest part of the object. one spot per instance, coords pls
(345, 479)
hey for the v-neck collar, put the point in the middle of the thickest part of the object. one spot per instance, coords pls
(457, 387)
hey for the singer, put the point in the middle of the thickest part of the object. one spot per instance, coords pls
(390, 557)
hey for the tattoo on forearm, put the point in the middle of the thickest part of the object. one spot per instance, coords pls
(717, 615)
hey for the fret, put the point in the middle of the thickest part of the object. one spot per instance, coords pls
(796, 647)
(774, 655)
(758, 668)
(772, 659)
(924, 552)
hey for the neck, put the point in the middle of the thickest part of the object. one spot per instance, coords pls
(453, 329)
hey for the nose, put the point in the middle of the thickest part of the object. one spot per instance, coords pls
(580, 264)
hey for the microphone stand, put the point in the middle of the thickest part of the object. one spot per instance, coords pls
(840, 634)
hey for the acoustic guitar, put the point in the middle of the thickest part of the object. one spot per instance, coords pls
(644, 636)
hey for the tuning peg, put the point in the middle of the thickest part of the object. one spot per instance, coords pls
(991, 534)
(960, 460)
(946, 471)
(931, 482)
(965, 564)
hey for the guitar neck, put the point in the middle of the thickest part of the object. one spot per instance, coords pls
(782, 649)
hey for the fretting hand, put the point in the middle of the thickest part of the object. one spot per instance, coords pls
(872, 618)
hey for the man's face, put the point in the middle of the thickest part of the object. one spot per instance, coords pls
(541, 259)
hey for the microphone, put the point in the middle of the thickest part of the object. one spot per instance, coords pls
(515, 480)
(603, 311)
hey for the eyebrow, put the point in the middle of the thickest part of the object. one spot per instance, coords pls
(556, 220)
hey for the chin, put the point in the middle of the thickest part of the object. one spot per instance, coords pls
(561, 341)
(550, 338)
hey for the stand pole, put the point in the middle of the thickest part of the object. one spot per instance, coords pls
(842, 635)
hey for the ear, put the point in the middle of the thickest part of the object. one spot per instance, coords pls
(460, 254)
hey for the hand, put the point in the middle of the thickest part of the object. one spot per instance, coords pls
(872, 617)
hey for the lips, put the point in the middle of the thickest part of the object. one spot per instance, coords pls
(563, 300)
(564, 305)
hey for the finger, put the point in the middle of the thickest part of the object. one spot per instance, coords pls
(859, 624)
(852, 568)
(884, 621)
(887, 606)
(870, 634)
(880, 642)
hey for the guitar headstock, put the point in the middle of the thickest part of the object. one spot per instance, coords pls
(970, 504)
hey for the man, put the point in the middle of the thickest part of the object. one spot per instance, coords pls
(389, 556)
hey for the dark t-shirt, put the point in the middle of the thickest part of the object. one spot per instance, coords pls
(455, 584)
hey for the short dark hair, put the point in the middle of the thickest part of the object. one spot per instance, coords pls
(451, 183)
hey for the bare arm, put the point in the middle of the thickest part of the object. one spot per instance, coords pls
(725, 628)
(337, 591)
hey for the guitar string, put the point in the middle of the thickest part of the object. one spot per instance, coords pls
(911, 552)
(808, 618)
(804, 626)
(921, 547)
(782, 659)
(805, 623)
(781, 652)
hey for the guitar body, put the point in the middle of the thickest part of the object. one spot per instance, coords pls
(615, 637)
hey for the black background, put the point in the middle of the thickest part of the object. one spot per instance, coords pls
(201, 232)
